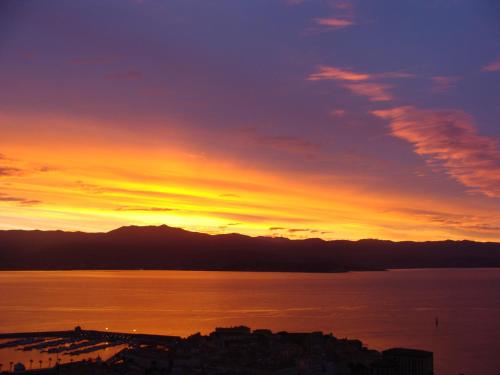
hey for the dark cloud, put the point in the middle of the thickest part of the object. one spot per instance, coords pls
(9, 171)
(19, 200)
(458, 222)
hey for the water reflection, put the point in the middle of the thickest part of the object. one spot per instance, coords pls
(384, 309)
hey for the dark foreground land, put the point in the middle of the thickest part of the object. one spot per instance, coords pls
(170, 248)
(236, 350)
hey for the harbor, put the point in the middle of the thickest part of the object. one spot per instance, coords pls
(41, 350)
(226, 350)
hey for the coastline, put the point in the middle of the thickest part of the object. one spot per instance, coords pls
(236, 349)
(257, 270)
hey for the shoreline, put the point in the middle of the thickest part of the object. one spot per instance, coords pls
(235, 349)
(243, 270)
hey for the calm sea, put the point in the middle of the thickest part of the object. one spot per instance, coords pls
(383, 309)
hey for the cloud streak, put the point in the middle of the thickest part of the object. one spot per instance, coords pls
(325, 73)
(19, 200)
(362, 84)
(375, 92)
(444, 83)
(334, 22)
(332, 73)
(9, 171)
(449, 138)
(492, 67)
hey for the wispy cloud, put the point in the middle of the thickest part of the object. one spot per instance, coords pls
(449, 138)
(9, 171)
(14, 167)
(458, 222)
(334, 22)
(338, 112)
(492, 67)
(342, 17)
(332, 73)
(19, 200)
(376, 92)
(325, 73)
(364, 84)
(295, 230)
(444, 83)
(344, 5)
(6, 169)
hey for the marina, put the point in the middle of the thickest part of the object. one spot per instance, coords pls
(45, 349)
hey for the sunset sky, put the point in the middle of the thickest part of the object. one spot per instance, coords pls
(298, 118)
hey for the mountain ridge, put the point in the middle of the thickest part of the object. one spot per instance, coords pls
(165, 247)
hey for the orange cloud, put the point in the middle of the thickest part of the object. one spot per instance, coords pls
(449, 138)
(337, 74)
(333, 73)
(360, 83)
(334, 23)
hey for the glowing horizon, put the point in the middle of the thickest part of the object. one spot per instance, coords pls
(179, 121)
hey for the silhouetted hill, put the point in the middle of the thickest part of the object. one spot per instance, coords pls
(165, 247)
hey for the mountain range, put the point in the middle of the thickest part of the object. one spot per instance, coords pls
(164, 247)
